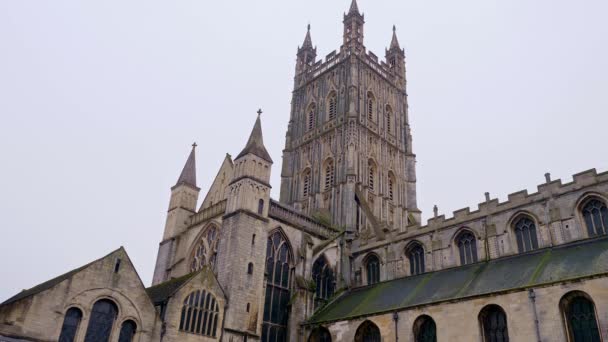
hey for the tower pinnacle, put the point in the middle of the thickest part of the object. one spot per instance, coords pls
(307, 40)
(188, 175)
(354, 9)
(255, 144)
(394, 41)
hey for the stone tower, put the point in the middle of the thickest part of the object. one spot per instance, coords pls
(242, 251)
(348, 151)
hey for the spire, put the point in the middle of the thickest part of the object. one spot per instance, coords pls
(354, 9)
(307, 41)
(188, 175)
(255, 144)
(395, 41)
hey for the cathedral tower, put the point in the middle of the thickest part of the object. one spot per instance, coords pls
(348, 152)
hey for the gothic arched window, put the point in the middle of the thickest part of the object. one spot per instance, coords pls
(276, 301)
(595, 214)
(493, 320)
(127, 331)
(306, 179)
(579, 314)
(311, 117)
(371, 104)
(71, 322)
(371, 166)
(415, 254)
(425, 329)
(323, 276)
(389, 119)
(102, 319)
(332, 105)
(391, 186)
(525, 231)
(368, 332)
(261, 207)
(372, 268)
(205, 251)
(467, 247)
(200, 314)
(330, 171)
(320, 334)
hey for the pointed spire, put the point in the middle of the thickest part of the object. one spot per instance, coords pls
(354, 9)
(188, 175)
(255, 144)
(395, 41)
(307, 40)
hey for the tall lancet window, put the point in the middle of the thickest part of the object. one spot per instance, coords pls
(371, 181)
(323, 277)
(389, 119)
(371, 104)
(206, 250)
(332, 106)
(306, 179)
(391, 186)
(276, 301)
(329, 174)
(311, 117)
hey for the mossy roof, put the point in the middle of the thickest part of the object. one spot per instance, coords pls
(550, 265)
(161, 292)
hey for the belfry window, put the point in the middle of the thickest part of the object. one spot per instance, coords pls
(306, 183)
(371, 103)
(200, 314)
(333, 106)
(311, 119)
(323, 276)
(276, 301)
(372, 268)
(415, 255)
(368, 332)
(101, 321)
(467, 246)
(493, 322)
(205, 251)
(71, 322)
(329, 174)
(595, 214)
(580, 318)
(389, 119)
(391, 186)
(371, 166)
(525, 232)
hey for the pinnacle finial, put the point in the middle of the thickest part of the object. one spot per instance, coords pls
(260, 112)
(394, 28)
(308, 27)
(353, 7)
(194, 145)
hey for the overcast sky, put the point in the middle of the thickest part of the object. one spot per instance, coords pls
(101, 100)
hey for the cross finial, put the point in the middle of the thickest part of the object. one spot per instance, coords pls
(394, 28)
(308, 26)
(194, 145)
(260, 112)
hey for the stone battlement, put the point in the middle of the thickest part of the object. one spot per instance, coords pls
(309, 225)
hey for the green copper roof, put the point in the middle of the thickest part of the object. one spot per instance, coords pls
(549, 265)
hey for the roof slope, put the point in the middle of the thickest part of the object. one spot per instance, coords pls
(161, 292)
(51, 283)
(550, 265)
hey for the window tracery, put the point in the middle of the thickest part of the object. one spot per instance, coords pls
(595, 214)
(525, 232)
(323, 276)
(415, 255)
(276, 301)
(199, 314)
(205, 251)
(372, 267)
(467, 246)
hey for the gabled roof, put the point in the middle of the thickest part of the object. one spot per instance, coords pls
(550, 265)
(51, 283)
(163, 291)
(255, 144)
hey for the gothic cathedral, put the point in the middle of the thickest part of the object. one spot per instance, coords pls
(343, 255)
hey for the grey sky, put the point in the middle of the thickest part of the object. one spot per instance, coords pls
(101, 100)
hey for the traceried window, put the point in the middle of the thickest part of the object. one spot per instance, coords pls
(525, 232)
(372, 268)
(371, 169)
(200, 314)
(368, 332)
(323, 276)
(127, 331)
(71, 322)
(467, 247)
(276, 301)
(330, 170)
(332, 106)
(311, 117)
(425, 329)
(415, 255)
(101, 321)
(595, 214)
(579, 314)
(389, 119)
(306, 179)
(493, 322)
(371, 104)
(205, 251)
(320, 334)
(391, 186)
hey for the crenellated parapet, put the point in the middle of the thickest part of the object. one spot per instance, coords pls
(300, 221)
